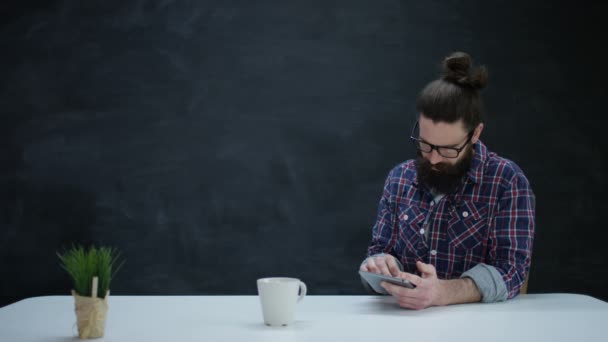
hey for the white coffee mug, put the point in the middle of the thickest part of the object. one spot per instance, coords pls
(279, 297)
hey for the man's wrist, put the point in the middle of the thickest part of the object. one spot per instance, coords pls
(457, 291)
(443, 292)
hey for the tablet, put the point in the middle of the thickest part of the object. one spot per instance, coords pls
(374, 280)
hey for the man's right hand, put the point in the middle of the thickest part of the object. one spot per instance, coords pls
(383, 264)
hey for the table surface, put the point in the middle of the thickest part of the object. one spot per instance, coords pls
(532, 317)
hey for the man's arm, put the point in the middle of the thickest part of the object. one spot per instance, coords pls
(383, 234)
(459, 291)
(512, 232)
(379, 259)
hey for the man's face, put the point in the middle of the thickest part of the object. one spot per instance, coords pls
(437, 171)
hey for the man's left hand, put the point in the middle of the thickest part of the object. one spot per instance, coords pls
(428, 291)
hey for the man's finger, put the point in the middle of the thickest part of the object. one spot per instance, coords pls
(411, 303)
(426, 269)
(371, 265)
(393, 267)
(412, 278)
(384, 269)
(380, 262)
(386, 286)
(399, 291)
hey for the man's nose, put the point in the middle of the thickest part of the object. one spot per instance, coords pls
(434, 157)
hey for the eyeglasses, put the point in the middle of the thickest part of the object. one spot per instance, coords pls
(444, 151)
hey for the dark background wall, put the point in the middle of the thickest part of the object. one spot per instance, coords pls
(215, 142)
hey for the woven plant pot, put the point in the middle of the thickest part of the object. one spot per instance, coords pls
(91, 315)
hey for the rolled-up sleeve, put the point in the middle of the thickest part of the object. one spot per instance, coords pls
(489, 282)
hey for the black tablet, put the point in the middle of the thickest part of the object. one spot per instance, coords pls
(374, 280)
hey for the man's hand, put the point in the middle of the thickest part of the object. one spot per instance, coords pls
(428, 292)
(383, 264)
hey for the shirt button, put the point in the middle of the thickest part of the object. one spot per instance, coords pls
(405, 217)
(422, 231)
(433, 252)
(465, 214)
(432, 203)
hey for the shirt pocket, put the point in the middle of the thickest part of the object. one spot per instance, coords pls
(467, 226)
(411, 220)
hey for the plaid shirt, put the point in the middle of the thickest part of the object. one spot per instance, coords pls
(489, 219)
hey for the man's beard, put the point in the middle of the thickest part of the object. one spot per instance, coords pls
(442, 177)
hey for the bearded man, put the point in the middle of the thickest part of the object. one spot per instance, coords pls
(458, 221)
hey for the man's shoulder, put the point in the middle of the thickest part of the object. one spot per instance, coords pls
(502, 169)
(402, 176)
(403, 171)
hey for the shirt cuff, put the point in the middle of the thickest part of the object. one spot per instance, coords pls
(489, 282)
(366, 286)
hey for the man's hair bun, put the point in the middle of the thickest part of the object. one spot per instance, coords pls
(458, 69)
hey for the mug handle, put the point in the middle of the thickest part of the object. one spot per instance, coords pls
(302, 291)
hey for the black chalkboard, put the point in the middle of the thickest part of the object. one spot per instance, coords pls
(215, 143)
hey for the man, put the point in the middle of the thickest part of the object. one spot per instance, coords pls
(457, 222)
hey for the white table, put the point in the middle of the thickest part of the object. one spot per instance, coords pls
(548, 317)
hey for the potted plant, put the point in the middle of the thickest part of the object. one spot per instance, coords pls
(92, 271)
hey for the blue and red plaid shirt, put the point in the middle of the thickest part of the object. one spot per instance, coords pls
(489, 219)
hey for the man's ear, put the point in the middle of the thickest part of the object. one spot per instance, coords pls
(477, 133)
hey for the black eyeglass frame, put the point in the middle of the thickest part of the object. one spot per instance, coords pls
(417, 141)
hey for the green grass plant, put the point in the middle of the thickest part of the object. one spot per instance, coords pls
(82, 265)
